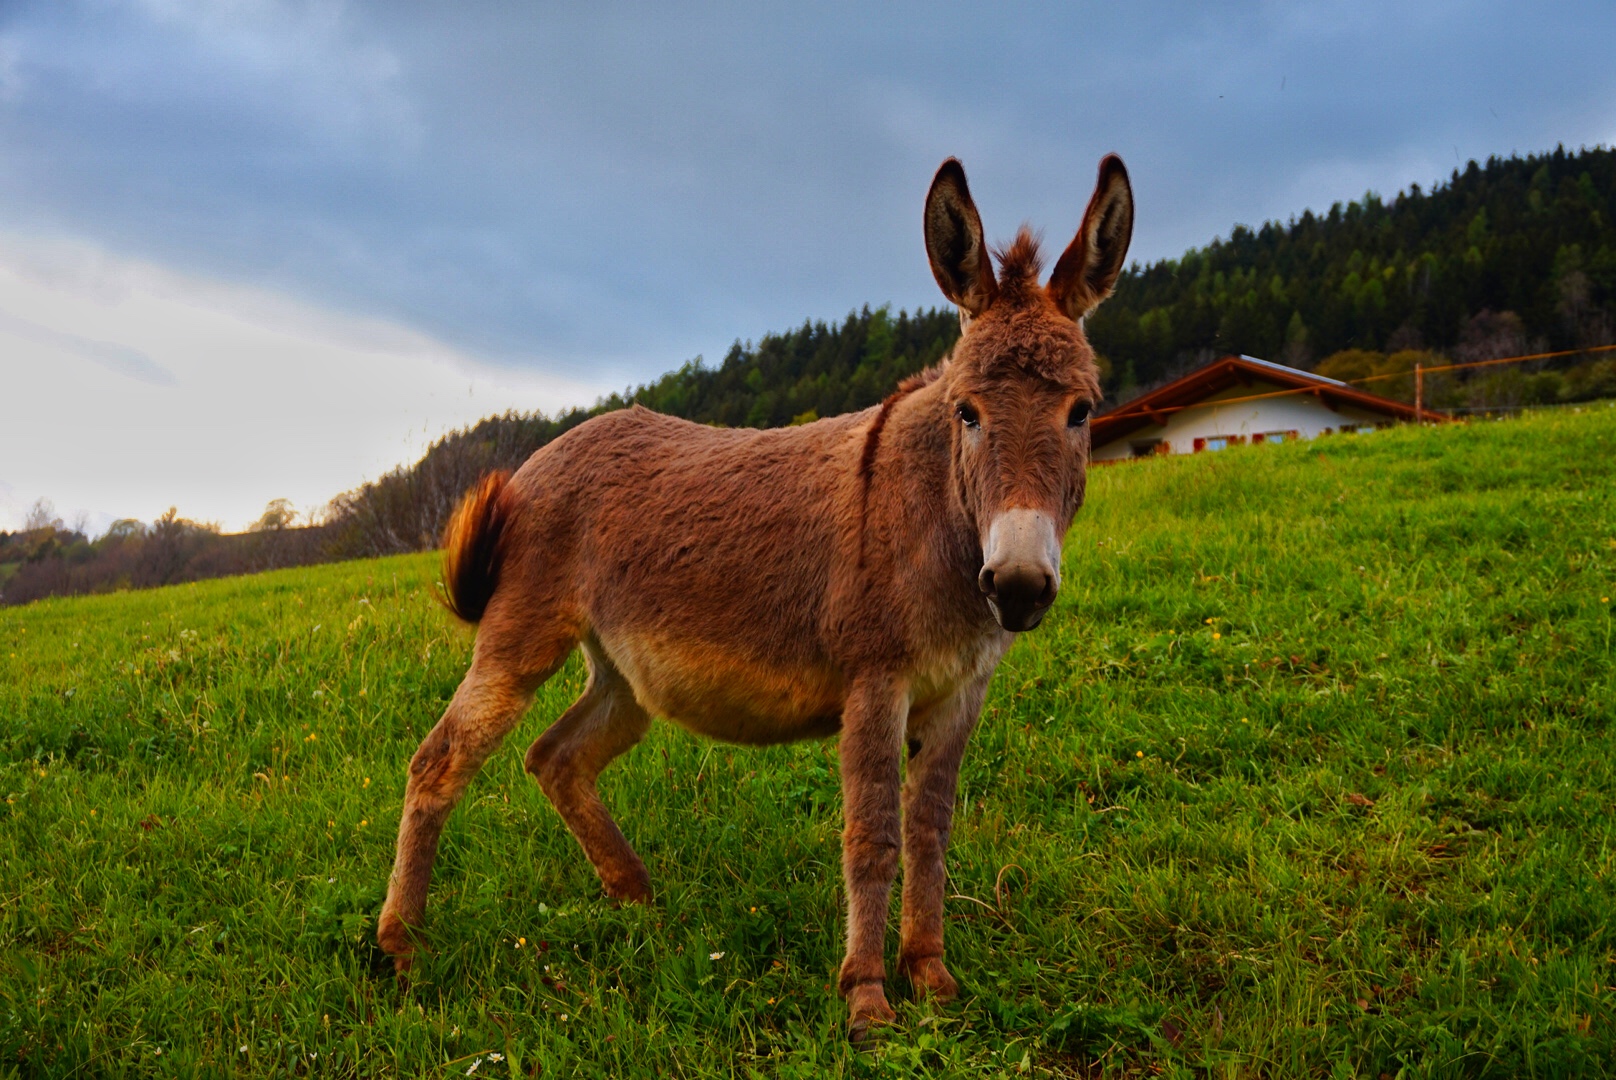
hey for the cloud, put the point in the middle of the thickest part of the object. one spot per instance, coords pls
(266, 396)
(614, 188)
(109, 354)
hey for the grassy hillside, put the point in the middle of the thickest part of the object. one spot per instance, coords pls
(1310, 774)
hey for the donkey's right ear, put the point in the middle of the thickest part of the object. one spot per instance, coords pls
(954, 244)
(1088, 270)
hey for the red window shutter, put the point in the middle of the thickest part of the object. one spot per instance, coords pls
(1255, 439)
(1200, 444)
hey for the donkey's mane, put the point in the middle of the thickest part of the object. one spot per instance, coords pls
(1020, 263)
(872, 438)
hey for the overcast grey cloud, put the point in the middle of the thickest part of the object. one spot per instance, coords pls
(600, 194)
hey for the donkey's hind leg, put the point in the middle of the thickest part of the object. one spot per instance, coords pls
(568, 758)
(489, 703)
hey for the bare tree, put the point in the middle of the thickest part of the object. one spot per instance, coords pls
(41, 516)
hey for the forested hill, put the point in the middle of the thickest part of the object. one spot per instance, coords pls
(1534, 236)
(1503, 257)
(813, 371)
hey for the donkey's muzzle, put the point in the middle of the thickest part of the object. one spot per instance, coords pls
(1020, 567)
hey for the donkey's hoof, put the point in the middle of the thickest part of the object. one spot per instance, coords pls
(393, 936)
(629, 888)
(397, 940)
(867, 1011)
(930, 979)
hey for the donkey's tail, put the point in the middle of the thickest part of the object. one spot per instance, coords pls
(471, 548)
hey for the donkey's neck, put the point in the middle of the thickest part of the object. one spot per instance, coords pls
(917, 449)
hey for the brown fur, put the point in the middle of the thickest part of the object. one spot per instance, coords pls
(1020, 263)
(766, 586)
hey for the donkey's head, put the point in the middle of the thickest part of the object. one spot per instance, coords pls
(1022, 381)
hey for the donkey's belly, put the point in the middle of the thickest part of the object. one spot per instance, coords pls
(727, 695)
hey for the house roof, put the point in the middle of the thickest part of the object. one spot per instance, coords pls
(1161, 403)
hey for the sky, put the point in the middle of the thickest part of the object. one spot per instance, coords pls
(253, 249)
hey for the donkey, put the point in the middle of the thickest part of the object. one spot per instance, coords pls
(861, 575)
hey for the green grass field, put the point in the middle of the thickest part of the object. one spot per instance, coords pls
(1310, 774)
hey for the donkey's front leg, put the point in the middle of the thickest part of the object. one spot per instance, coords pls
(937, 743)
(871, 751)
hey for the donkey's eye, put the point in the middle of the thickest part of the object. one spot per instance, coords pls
(967, 415)
(1079, 415)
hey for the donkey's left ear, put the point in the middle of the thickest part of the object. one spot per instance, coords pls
(1089, 267)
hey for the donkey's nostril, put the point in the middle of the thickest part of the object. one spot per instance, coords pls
(984, 581)
(1047, 596)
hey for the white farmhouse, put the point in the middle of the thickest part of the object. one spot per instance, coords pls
(1240, 399)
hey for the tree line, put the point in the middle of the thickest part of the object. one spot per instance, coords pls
(49, 558)
(1513, 256)
(1517, 255)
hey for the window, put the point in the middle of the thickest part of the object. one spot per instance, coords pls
(1218, 442)
(1275, 437)
(1149, 447)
